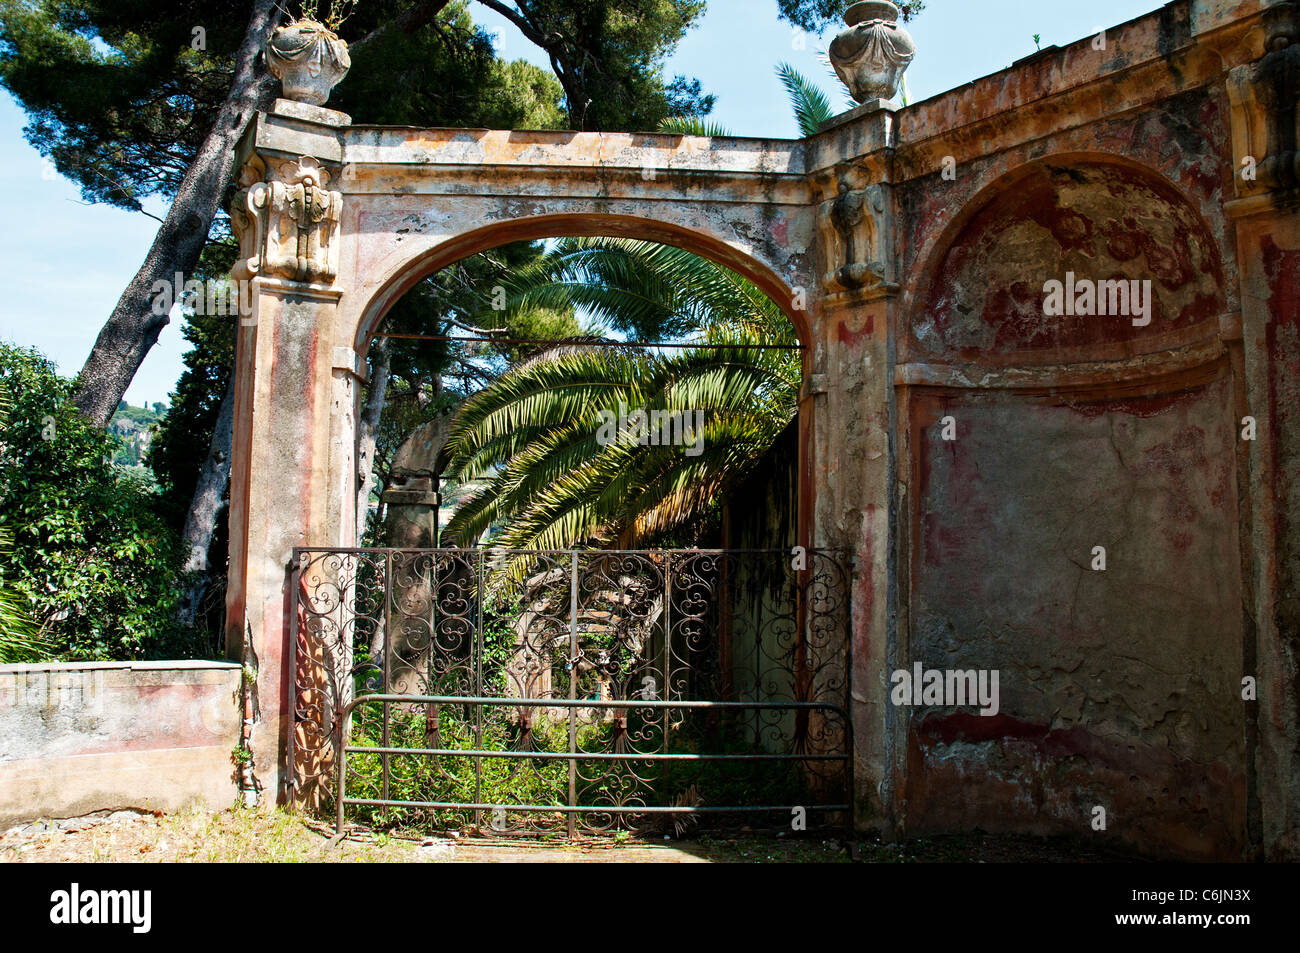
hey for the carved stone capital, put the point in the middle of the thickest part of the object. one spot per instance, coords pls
(287, 221)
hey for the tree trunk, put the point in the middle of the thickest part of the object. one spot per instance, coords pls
(368, 431)
(410, 525)
(201, 521)
(133, 328)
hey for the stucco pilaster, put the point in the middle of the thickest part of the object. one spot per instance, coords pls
(293, 412)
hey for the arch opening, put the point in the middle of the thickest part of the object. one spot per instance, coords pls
(744, 331)
(662, 588)
(411, 270)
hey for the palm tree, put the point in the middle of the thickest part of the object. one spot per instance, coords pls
(533, 441)
(811, 105)
(545, 442)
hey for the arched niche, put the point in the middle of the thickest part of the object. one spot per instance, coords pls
(983, 294)
(1072, 517)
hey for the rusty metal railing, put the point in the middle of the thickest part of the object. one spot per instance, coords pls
(578, 692)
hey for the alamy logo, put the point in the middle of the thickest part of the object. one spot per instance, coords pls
(214, 297)
(1085, 297)
(75, 906)
(946, 688)
(73, 691)
(655, 428)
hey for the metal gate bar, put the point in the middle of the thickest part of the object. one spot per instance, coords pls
(573, 756)
(588, 640)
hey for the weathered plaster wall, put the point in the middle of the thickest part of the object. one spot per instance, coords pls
(1270, 253)
(1178, 144)
(1098, 221)
(281, 491)
(1119, 688)
(82, 737)
(1281, 267)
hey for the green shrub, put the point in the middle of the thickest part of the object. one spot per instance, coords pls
(451, 779)
(95, 565)
(18, 639)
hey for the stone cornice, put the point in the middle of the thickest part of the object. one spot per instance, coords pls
(718, 186)
(1186, 46)
(1139, 370)
(665, 152)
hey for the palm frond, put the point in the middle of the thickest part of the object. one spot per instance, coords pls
(562, 486)
(544, 475)
(691, 126)
(660, 291)
(811, 106)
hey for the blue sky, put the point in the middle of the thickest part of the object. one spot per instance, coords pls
(64, 263)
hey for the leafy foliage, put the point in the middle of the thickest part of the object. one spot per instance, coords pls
(18, 639)
(428, 378)
(811, 105)
(654, 291)
(692, 126)
(330, 13)
(134, 427)
(120, 93)
(117, 96)
(544, 781)
(538, 438)
(445, 73)
(90, 556)
(608, 56)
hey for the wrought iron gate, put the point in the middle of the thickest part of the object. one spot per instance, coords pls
(579, 691)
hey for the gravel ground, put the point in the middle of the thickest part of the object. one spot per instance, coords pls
(254, 836)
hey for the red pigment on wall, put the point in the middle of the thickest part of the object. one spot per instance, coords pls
(1118, 224)
(1145, 407)
(1282, 270)
(849, 337)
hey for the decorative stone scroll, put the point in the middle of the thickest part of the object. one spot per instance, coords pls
(287, 225)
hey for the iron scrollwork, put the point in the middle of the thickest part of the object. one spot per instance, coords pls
(591, 692)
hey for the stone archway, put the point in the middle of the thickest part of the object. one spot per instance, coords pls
(405, 267)
(336, 221)
(410, 260)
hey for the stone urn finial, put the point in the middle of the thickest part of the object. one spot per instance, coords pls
(308, 59)
(871, 56)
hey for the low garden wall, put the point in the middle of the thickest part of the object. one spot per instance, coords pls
(91, 736)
